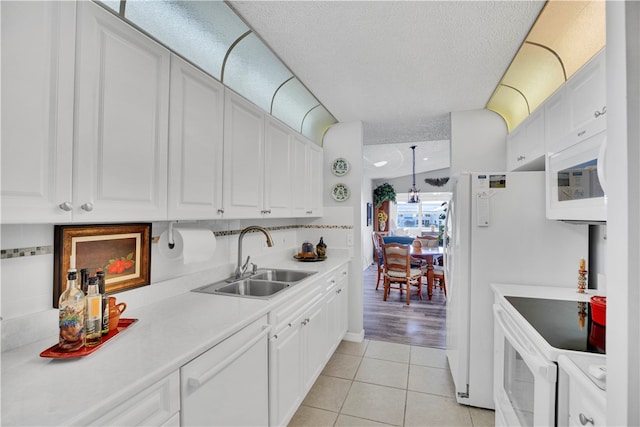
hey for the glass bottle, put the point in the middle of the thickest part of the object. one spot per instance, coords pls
(84, 279)
(105, 301)
(94, 314)
(72, 308)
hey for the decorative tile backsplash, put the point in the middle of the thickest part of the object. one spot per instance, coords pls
(44, 250)
(22, 252)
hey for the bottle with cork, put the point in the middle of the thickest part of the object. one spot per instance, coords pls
(94, 314)
(105, 301)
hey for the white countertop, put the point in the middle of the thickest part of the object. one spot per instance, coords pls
(168, 334)
(545, 292)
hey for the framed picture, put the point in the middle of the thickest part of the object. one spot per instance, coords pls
(123, 251)
(369, 214)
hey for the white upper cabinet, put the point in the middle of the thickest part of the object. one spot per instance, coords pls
(243, 158)
(261, 163)
(556, 124)
(122, 95)
(38, 50)
(195, 143)
(586, 97)
(315, 178)
(307, 178)
(277, 171)
(525, 145)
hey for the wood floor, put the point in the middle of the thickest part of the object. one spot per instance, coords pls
(420, 323)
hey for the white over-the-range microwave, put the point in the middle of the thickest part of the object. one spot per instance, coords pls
(575, 177)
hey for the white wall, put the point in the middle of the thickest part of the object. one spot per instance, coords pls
(478, 142)
(345, 140)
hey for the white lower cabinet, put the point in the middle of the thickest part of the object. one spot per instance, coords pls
(228, 385)
(297, 356)
(580, 401)
(157, 405)
(336, 302)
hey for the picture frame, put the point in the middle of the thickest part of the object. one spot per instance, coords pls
(123, 251)
(369, 214)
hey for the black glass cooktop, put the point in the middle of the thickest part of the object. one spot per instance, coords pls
(563, 324)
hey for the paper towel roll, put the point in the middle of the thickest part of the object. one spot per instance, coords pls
(192, 244)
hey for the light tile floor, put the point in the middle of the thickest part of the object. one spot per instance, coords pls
(377, 383)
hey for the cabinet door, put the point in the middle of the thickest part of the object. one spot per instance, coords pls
(525, 148)
(336, 309)
(228, 385)
(315, 192)
(195, 143)
(277, 171)
(586, 98)
(556, 125)
(243, 158)
(515, 150)
(300, 173)
(285, 373)
(314, 328)
(122, 83)
(343, 293)
(38, 51)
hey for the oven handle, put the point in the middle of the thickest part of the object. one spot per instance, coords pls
(520, 345)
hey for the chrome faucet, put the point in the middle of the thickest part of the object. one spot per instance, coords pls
(240, 269)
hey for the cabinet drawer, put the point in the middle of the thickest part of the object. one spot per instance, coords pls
(154, 406)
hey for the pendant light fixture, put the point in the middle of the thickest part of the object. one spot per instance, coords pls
(414, 193)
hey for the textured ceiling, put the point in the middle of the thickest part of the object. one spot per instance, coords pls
(398, 66)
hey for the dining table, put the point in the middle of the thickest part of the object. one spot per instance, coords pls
(427, 254)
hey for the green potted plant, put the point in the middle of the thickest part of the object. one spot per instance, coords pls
(382, 193)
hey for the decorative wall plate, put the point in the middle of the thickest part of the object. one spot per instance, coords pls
(340, 192)
(340, 166)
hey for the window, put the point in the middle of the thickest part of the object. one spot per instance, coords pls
(428, 215)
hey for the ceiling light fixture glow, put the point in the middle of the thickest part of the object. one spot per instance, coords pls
(380, 164)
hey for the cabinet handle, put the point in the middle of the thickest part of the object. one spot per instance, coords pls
(520, 158)
(66, 206)
(338, 291)
(600, 113)
(584, 420)
(220, 211)
(304, 322)
(309, 212)
(88, 207)
(582, 133)
(344, 273)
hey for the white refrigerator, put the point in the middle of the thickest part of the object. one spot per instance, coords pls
(497, 232)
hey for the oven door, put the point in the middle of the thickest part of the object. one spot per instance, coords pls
(524, 380)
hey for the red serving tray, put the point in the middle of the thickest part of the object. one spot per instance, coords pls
(54, 351)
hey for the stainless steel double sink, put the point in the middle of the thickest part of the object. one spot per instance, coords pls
(263, 284)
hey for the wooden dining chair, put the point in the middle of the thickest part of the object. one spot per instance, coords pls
(377, 255)
(428, 241)
(438, 274)
(398, 270)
